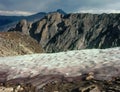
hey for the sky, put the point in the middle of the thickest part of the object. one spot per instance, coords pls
(28, 7)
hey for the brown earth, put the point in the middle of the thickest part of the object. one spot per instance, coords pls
(16, 43)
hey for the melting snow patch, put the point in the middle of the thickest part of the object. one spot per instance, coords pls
(104, 62)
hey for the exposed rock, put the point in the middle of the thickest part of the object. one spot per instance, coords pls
(57, 32)
(8, 22)
(23, 26)
(16, 43)
(6, 89)
(58, 83)
(45, 29)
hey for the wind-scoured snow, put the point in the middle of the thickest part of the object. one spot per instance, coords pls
(104, 63)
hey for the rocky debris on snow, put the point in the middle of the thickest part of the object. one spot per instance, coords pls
(58, 83)
(90, 70)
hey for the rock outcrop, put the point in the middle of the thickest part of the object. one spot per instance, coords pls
(7, 22)
(22, 26)
(57, 32)
(58, 83)
(16, 43)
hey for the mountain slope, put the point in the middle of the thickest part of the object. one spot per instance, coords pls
(16, 43)
(7, 22)
(57, 32)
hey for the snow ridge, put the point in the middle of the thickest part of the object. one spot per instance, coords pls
(104, 63)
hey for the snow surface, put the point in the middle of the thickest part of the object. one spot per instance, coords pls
(105, 63)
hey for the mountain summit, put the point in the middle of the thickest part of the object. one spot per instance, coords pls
(61, 11)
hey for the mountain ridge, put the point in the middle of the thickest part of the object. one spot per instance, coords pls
(79, 31)
(7, 21)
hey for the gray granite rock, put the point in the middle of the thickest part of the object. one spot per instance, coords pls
(57, 32)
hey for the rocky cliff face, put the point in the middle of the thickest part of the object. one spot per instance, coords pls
(57, 32)
(22, 26)
(6, 22)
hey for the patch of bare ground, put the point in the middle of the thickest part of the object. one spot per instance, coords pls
(16, 43)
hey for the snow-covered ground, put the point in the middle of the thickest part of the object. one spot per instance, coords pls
(104, 63)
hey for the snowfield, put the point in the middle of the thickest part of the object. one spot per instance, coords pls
(104, 63)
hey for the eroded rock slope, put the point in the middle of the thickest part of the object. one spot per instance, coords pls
(57, 32)
(16, 43)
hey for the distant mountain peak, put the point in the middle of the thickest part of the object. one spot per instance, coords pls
(39, 13)
(61, 11)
